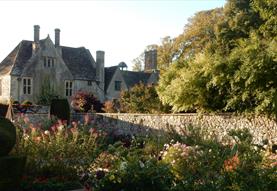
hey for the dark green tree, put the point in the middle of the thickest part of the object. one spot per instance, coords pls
(141, 99)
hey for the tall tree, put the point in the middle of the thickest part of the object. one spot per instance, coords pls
(138, 63)
(235, 69)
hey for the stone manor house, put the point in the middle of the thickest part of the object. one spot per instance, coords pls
(32, 64)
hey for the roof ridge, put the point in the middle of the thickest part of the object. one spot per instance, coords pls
(19, 46)
(82, 47)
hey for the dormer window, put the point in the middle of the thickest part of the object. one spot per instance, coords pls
(48, 62)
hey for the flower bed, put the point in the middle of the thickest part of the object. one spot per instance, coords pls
(64, 157)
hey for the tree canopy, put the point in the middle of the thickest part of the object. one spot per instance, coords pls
(226, 60)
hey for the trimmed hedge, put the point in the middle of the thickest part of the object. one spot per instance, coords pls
(61, 109)
(7, 136)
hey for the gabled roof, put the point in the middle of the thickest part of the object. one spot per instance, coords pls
(109, 73)
(14, 63)
(132, 78)
(80, 62)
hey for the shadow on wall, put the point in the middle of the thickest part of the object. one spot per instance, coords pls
(120, 127)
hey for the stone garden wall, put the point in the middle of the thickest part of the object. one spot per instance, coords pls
(261, 128)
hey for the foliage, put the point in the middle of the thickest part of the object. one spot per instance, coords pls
(138, 63)
(60, 109)
(11, 170)
(85, 102)
(54, 154)
(7, 136)
(197, 162)
(3, 109)
(27, 103)
(230, 69)
(192, 159)
(47, 93)
(111, 106)
(129, 169)
(141, 99)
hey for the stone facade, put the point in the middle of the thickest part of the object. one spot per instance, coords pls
(262, 128)
(111, 92)
(32, 64)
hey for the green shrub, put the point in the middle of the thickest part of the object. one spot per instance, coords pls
(27, 103)
(11, 171)
(3, 109)
(7, 136)
(60, 108)
(129, 169)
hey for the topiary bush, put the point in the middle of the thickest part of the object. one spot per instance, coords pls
(3, 109)
(7, 136)
(60, 108)
(11, 171)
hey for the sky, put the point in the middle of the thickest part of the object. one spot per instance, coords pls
(121, 28)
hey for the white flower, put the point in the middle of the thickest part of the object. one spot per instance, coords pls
(123, 165)
(25, 137)
(60, 128)
(141, 164)
(46, 132)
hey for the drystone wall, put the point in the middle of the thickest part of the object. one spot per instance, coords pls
(262, 128)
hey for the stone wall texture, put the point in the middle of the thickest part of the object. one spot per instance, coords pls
(262, 128)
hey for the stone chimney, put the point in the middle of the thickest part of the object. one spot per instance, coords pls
(57, 37)
(150, 60)
(100, 64)
(36, 33)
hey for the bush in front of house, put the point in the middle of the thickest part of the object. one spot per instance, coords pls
(55, 154)
(193, 160)
(7, 136)
(142, 99)
(85, 102)
(3, 109)
(11, 167)
(60, 108)
(205, 165)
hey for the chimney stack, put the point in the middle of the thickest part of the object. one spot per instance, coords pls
(150, 60)
(100, 67)
(36, 33)
(57, 37)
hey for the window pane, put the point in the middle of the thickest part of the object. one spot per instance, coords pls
(24, 89)
(29, 90)
(70, 84)
(117, 85)
(70, 92)
(24, 82)
(29, 81)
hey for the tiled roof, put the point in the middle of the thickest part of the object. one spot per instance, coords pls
(132, 78)
(80, 62)
(14, 63)
(109, 72)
